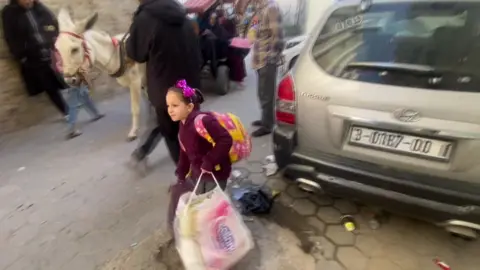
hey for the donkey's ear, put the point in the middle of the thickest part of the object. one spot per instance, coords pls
(87, 23)
(64, 19)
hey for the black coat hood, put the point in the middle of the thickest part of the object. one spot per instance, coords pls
(168, 11)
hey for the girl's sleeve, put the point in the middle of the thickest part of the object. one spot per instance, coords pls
(223, 143)
(183, 166)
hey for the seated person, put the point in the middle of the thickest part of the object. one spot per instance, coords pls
(214, 42)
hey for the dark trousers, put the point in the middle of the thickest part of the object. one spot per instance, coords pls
(267, 82)
(161, 128)
(206, 186)
(57, 99)
(39, 77)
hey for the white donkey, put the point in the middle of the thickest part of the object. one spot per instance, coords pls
(81, 47)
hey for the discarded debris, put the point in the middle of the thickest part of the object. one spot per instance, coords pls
(441, 264)
(238, 177)
(275, 193)
(21, 169)
(270, 159)
(270, 166)
(374, 224)
(133, 245)
(348, 223)
(236, 174)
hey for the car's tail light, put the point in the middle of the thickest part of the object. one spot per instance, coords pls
(285, 109)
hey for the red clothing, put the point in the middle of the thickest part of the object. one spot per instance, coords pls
(197, 153)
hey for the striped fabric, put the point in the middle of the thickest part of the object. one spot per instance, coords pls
(269, 40)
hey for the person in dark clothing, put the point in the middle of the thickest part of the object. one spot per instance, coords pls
(214, 42)
(162, 36)
(30, 30)
(236, 56)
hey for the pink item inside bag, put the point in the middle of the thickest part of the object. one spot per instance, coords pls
(242, 43)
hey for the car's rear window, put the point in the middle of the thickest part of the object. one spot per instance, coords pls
(434, 45)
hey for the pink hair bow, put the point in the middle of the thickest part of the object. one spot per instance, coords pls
(187, 90)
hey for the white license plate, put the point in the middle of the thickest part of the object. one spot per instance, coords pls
(400, 143)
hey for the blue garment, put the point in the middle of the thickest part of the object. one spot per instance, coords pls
(76, 96)
(203, 20)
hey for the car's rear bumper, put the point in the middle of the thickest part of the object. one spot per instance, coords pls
(421, 196)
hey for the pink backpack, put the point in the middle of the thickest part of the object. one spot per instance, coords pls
(242, 143)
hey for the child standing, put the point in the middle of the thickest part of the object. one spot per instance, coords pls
(78, 94)
(197, 154)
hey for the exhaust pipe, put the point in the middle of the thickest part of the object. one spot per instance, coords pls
(308, 185)
(464, 229)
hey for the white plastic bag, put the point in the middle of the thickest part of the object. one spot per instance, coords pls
(209, 232)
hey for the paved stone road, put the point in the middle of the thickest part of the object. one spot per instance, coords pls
(73, 205)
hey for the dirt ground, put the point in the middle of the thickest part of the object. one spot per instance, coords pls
(276, 248)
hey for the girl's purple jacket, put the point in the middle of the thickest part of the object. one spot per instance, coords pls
(199, 153)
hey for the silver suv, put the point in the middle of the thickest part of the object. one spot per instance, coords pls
(383, 106)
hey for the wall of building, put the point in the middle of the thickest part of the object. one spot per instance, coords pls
(17, 110)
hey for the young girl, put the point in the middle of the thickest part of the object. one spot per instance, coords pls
(197, 154)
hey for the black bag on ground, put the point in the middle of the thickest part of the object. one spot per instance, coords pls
(253, 200)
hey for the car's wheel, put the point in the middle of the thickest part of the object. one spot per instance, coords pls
(223, 80)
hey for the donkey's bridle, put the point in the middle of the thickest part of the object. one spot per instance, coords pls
(84, 46)
(115, 42)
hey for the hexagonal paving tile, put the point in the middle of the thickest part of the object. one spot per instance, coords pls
(317, 224)
(345, 206)
(339, 235)
(329, 265)
(329, 215)
(285, 199)
(369, 245)
(402, 256)
(382, 264)
(304, 207)
(321, 199)
(277, 184)
(352, 258)
(324, 248)
(389, 233)
(296, 193)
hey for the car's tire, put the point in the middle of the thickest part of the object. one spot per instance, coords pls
(223, 80)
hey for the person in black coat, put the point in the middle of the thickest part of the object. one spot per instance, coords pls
(163, 36)
(30, 30)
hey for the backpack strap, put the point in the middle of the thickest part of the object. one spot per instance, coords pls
(200, 128)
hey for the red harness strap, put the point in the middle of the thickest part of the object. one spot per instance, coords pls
(115, 43)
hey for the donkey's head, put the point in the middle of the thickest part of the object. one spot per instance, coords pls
(71, 43)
